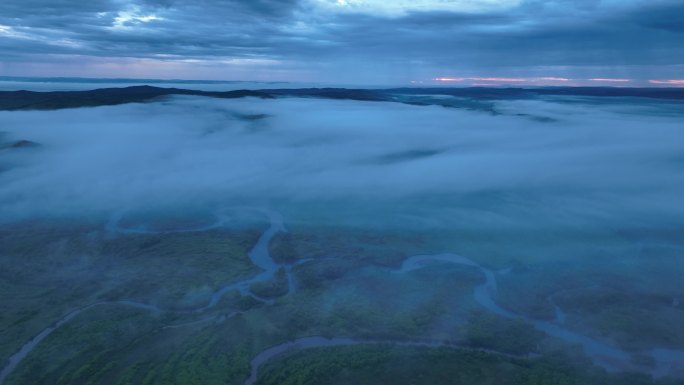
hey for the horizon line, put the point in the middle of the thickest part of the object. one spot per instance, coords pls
(440, 82)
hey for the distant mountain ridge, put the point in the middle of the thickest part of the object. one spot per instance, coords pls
(30, 79)
(34, 100)
(54, 100)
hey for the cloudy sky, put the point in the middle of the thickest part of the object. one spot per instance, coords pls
(571, 42)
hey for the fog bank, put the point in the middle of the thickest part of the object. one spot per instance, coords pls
(349, 160)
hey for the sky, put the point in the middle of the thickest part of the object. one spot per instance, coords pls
(453, 42)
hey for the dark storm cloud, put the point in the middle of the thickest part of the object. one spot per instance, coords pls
(666, 17)
(142, 28)
(629, 34)
(534, 34)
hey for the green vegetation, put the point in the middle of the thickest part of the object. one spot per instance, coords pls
(372, 302)
(274, 288)
(188, 266)
(387, 364)
(609, 299)
(166, 220)
(350, 288)
(488, 331)
(46, 270)
(380, 248)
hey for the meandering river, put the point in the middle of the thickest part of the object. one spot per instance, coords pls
(667, 361)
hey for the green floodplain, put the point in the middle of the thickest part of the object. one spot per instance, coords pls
(147, 309)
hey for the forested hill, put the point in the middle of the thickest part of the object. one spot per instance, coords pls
(32, 100)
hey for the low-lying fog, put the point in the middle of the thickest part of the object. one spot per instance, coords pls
(341, 161)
